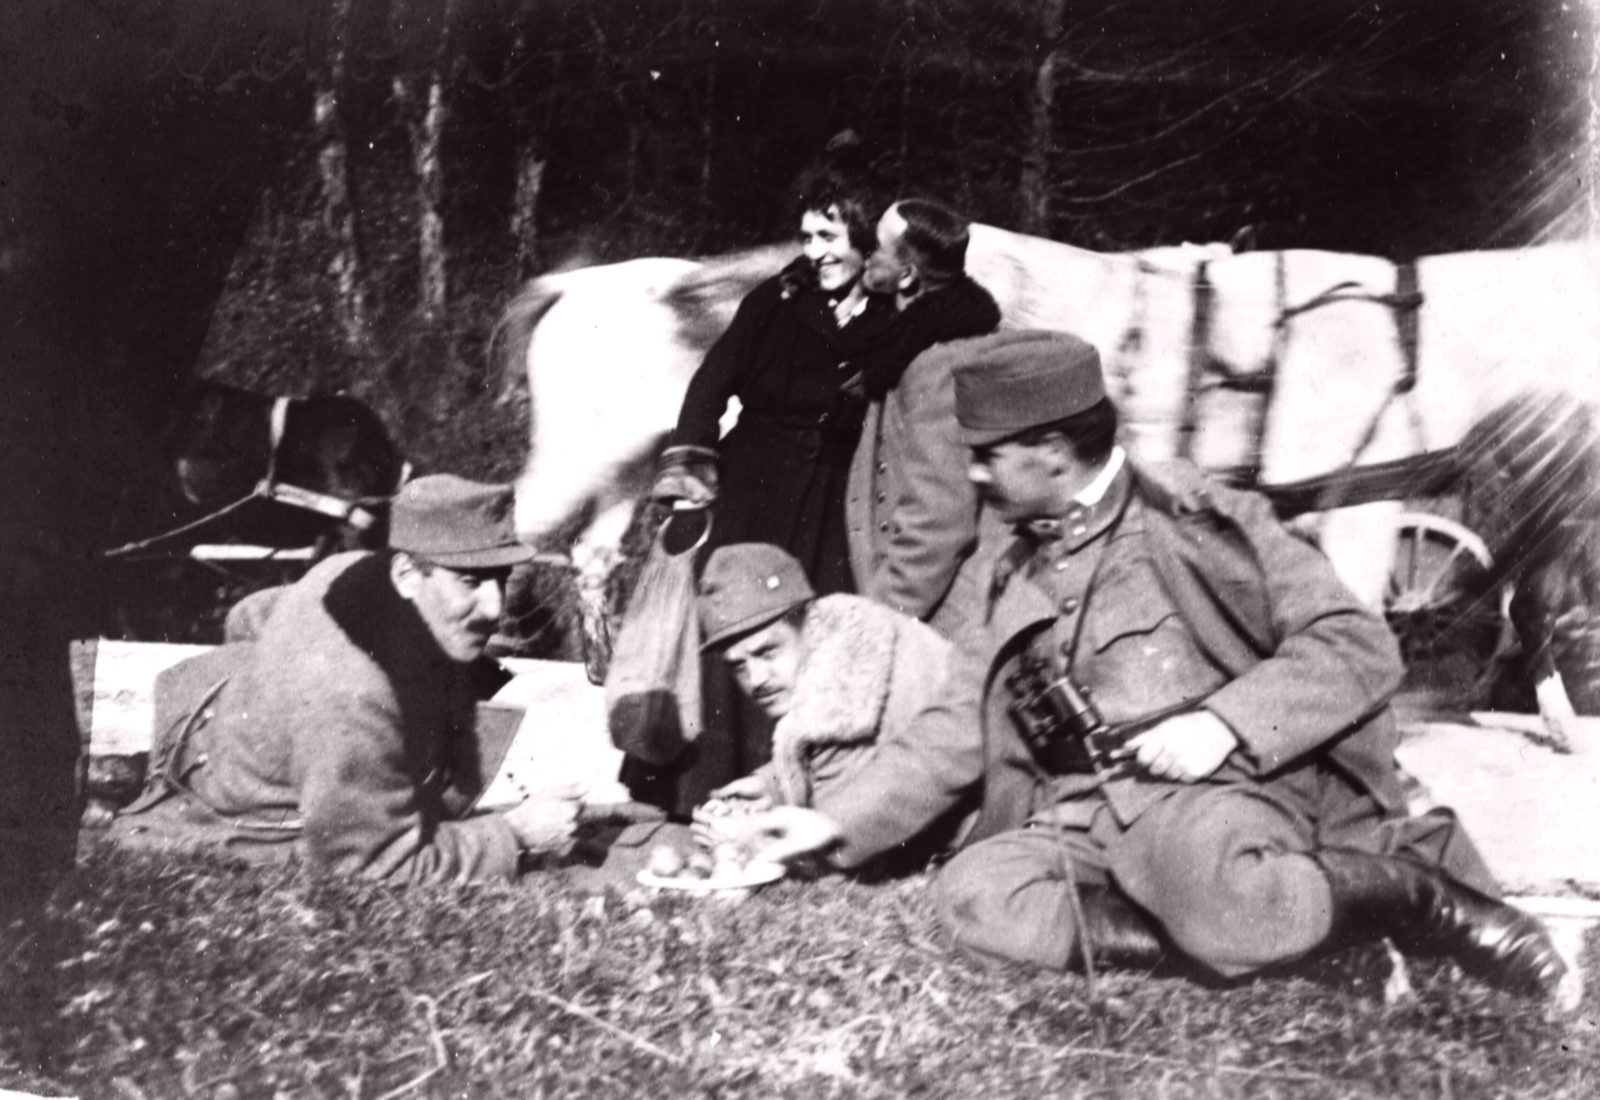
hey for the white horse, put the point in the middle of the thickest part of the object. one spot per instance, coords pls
(606, 352)
(1189, 337)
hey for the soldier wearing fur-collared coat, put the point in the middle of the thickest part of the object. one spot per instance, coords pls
(840, 677)
(335, 736)
(864, 675)
(344, 729)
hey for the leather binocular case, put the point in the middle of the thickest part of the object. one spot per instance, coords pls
(1059, 722)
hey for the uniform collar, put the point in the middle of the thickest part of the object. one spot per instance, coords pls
(1094, 508)
(1092, 493)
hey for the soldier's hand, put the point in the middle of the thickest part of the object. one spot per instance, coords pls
(547, 820)
(782, 834)
(748, 789)
(1185, 748)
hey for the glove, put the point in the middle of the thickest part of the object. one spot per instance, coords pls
(688, 474)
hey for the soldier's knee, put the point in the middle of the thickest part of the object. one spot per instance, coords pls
(958, 893)
(1000, 909)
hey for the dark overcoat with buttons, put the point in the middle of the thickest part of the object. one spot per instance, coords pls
(1305, 674)
(784, 466)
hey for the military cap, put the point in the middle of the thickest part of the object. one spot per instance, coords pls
(1013, 381)
(456, 523)
(746, 586)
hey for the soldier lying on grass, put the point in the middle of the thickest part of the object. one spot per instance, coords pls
(1178, 719)
(837, 676)
(342, 731)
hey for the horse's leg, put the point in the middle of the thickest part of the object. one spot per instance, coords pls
(1575, 642)
(1533, 610)
(595, 556)
(1360, 542)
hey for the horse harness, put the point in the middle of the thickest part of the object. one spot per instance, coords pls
(354, 512)
(1208, 371)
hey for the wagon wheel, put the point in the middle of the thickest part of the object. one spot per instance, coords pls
(1439, 601)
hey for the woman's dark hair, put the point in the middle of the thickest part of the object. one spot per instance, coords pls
(1090, 434)
(841, 179)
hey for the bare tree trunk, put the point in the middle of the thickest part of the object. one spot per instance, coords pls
(530, 165)
(1035, 183)
(338, 207)
(430, 195)
(524, 214)
(426, 128)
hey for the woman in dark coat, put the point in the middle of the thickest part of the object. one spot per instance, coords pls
(806, 350)
(779, 476)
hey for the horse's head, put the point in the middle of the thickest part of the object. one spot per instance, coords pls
(218, 438)
(608, 352)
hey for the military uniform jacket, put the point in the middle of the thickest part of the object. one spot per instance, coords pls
(343, 727)
(1308, 674)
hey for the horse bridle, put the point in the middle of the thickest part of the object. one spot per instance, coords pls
(1405, 303)
(353, 512)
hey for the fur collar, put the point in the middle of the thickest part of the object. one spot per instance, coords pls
(842, 685)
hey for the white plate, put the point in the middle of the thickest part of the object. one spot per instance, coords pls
(756, 873)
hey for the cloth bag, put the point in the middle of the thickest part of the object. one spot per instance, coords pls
(653, 685)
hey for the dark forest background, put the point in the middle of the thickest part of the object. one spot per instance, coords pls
(486, 140)
(303, 195)
(393, 168)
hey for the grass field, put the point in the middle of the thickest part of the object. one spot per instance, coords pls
(196, 978)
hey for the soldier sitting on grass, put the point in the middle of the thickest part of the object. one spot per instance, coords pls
(1178, 719)
(343, 732)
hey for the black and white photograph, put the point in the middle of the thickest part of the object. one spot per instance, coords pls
(799, 548)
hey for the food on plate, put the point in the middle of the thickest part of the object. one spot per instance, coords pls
(698, 865)
(666, 861)
(724, 867)
(728, 860)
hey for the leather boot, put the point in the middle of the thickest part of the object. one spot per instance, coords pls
(1117, 933)
(1426, 913)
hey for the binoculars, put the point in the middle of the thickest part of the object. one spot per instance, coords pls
(1058, 721)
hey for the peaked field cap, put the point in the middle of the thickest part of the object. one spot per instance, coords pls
(1013, 381)
(744, 587)
(457, 523)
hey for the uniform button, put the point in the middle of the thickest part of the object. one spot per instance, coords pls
(1069, 605)
(882, 496)
(883, 467)
(1066, 649)
(884, 526)
(1078, 530)
(1061, 566)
